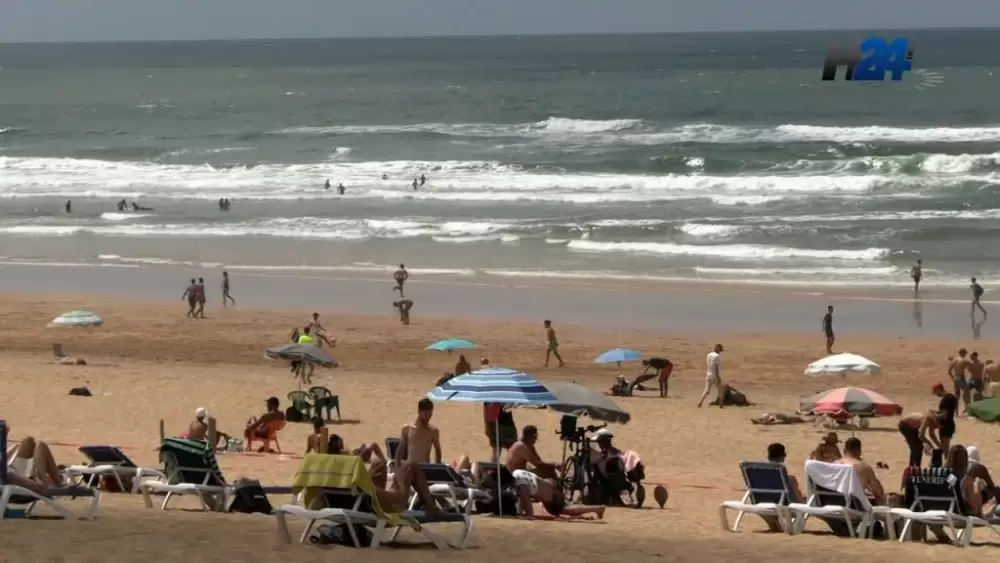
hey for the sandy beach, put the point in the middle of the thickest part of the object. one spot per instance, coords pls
(148, 362)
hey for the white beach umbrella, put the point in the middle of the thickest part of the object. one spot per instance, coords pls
(842, 364)
(77, 318)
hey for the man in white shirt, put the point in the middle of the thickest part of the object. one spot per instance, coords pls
(713, 377)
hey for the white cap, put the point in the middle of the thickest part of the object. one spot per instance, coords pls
(604, 433)
(973, 453)
(200, 412)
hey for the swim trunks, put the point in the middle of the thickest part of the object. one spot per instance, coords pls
(553, 345)
(528, 479)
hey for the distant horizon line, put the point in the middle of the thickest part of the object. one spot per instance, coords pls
(495, 35)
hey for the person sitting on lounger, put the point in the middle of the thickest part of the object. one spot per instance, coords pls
(371, 454)
(33, 467)
(532, 488)
(257, 426)
(980, 472)
(198, 429)
(776, 454)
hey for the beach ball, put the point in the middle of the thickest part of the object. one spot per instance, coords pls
(660, 494)
(863, 423)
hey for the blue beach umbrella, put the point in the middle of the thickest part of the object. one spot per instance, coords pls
(494, 385)
(449, 344)
(617, 356)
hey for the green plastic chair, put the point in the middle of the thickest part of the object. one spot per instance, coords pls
(324, 399)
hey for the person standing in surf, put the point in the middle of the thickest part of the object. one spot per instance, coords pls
(977, 294)
(400, 275)
(917, 273)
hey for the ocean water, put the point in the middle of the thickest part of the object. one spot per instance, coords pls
(714, 156)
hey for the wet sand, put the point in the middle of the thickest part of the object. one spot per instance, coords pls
(681, 306)
(148, 362)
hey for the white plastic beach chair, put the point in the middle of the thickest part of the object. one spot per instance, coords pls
(935, 499)
(446, 483)
(181, 480)
(353, 508)
(768, 494)
(111, 461)
(835, 492)
(14, 495)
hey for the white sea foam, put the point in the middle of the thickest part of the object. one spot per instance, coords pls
(113, 216)
(709, 231)
(728, 251)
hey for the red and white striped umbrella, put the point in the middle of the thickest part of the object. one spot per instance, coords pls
(852, 401)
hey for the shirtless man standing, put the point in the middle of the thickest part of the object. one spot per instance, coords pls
(415, 443)
(404, 306)
(400, 275)
(523, 452)
(318, 331)
(956, 370)
(191, 295)
(553, 344)
(974, 385)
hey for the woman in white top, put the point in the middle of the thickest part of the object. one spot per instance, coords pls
(713, 376)
(31, 465)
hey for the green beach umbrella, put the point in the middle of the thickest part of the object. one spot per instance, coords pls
(77, 318)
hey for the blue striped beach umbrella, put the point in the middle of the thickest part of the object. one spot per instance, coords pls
(494, 385)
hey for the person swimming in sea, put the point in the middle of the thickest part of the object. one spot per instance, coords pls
(122, 206)
(415, 184)
(341, 189)
(423, 180)
(69, 206)
(326, 186)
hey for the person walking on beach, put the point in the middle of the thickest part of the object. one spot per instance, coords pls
(191, 294)
(200, 289)
(917, 272)
(319, 331)
(553, 344)
(404, 306)
(400, 275)
(225, 290)
(977, 294)
(828, 329)
(713, 375)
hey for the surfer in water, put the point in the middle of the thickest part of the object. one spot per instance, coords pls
(122, 206)
(423, 180)
(137, 207)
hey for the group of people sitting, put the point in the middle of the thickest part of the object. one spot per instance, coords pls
(978, 492)
(534, 480)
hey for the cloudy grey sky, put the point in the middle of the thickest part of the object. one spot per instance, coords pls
(102, 20)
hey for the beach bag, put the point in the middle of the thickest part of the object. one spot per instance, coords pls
(339, 534)
(978, 290)
(249, 497)
(293, 414)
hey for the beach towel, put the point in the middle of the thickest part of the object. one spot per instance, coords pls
(631, 460)
(319, 471)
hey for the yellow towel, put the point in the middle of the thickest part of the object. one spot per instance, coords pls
(342, 472)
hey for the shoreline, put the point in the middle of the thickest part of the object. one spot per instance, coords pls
(694, 306)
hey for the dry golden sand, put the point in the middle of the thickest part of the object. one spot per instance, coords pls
(149, 362)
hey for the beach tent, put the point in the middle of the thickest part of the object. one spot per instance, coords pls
(842, 364)
(987, 410)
